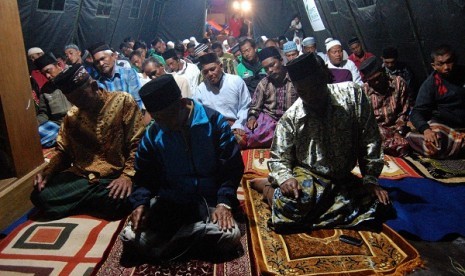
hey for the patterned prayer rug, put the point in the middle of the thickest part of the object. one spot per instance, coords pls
(394, 168)
(256, 165)
(321, 253)
(69, 246)
(445, 171)
(112, 263)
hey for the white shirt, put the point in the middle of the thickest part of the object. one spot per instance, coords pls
(231, 98)
(349, 65)
(191, 72)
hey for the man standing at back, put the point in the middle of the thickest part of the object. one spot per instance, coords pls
(112, 76)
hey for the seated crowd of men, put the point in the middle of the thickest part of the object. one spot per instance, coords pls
(157, 133)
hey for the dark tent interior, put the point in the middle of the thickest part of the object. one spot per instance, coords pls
(414, 27)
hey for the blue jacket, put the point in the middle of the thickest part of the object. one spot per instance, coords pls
(204, 159)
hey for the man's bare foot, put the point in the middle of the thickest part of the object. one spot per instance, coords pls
(258, 184)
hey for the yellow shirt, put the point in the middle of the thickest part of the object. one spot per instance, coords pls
(101, 144)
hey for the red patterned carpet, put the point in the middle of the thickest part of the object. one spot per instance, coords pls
(112, 265)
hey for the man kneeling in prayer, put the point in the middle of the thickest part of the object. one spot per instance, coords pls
(188, 167)
(317, 143)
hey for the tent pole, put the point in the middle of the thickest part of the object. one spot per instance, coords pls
(76, 23)
(116, 23)
(415, 36)
(142, 21)
(357, 29)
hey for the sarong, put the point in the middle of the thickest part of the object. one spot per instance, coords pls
(451, 142)
(391, 146)
(262, 136)
(323, 204)
(68, 194)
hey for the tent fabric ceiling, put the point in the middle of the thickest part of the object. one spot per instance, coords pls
(78, 23)
(414, 26)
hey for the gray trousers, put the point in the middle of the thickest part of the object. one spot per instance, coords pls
(201, 237)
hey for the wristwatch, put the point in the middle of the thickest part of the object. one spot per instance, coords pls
(224, 205)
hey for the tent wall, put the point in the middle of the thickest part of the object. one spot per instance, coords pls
(272, 18)
(78, 23)
(413, 26)
(182, 19)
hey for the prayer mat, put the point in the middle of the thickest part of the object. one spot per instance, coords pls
(445, 171)
(394, 168)
(69, 246)
(112, 264)
(255, 163)
(321, 253)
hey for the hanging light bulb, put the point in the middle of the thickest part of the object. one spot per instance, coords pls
(236, 5)
(246, 6)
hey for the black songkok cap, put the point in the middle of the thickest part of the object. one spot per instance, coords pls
(305, 66)
(98, 47)
(353, 40)
(370, 66)
(160, 93)
(208, 58)
(170, 53)
(44, 60)
(73, 77)
(390, 52)
(268, 52)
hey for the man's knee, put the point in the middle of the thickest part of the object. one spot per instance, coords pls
(223, 240)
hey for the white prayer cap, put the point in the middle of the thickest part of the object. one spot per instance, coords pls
(264, 38)
(34, 50)
(170, 44)
(308, 41)
(193, 40)
(332, 43)
(185, 41)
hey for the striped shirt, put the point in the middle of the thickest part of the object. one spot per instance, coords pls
(391, 107)
(272, 100)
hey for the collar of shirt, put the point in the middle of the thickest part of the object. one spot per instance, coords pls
(215, 88)
(116, 73)
(184, 67)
